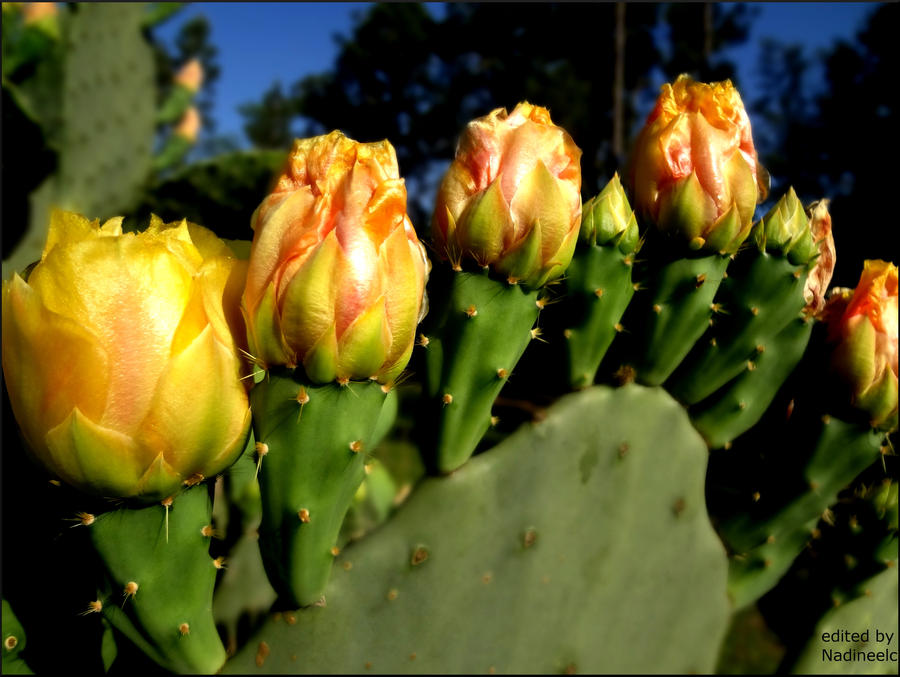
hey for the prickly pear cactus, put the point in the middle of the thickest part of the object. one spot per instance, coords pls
(489, 570)
(103, 124)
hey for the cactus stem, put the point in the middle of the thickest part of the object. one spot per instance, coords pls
(598, 292)
(767, 562)
(770, 539)
(699, 280)
(184, 629)
(623, 449)
(471, 311)
(420, 554)
(367, 468)
(797, 274)
(760, 348)
(392, 594)
(320, 602)
(94, 607)
(335, 551)
(356, 446)
(412, 656)
(447, 399)
(11, 642)
(303, 514)
(219, 562)
(262, 652)
(502, 373)
(130, 590)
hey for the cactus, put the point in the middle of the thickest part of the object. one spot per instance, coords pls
(598, 284)
(313, 441)
(474, 340)
(469, 577)
(159, 578)
(13, 644)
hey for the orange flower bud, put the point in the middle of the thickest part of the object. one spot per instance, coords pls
(694, 169)
(120, 358)
(862, 326)
(190, 76)
(511, 199)
(189, 126)
(337, 275)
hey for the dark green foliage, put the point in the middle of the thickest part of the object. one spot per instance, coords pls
(489, 568)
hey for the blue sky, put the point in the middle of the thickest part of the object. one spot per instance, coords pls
(259, 43)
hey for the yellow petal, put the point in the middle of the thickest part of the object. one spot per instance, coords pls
(51, 364)
(96, 459)
(362, 348)
(198, 408)
(403, 291)
(264, 332)
(539, 198)
(307, 309)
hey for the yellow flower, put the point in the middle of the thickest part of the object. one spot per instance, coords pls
(120, 359)
(336, 281)
(693, 169)
(511, 199)
(862, 326)
(190, 76)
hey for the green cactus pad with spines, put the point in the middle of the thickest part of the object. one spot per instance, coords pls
(578, 544)
(482, 328)
(875, 609)
(13, 644)
(669, 313)
(599, 289)
(316, 453)
(761, 295)
(109, 110)
(168, 558)
(769, 527)
(738, 406)
(97, 108)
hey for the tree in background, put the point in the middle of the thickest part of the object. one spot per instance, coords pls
(832, 141)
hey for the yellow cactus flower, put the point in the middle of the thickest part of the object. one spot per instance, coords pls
(511, 199)
(694, 170)
(120, 357)
(336, 281)
(862, 328)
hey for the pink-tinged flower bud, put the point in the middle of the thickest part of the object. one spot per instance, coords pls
(120, 356)
(511, 199)
(337, 275)
(819, 276)
(862, 327)
(190, 76)
(189, 126)
(693, 170)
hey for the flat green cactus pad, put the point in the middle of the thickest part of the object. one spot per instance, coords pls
(580, 543)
